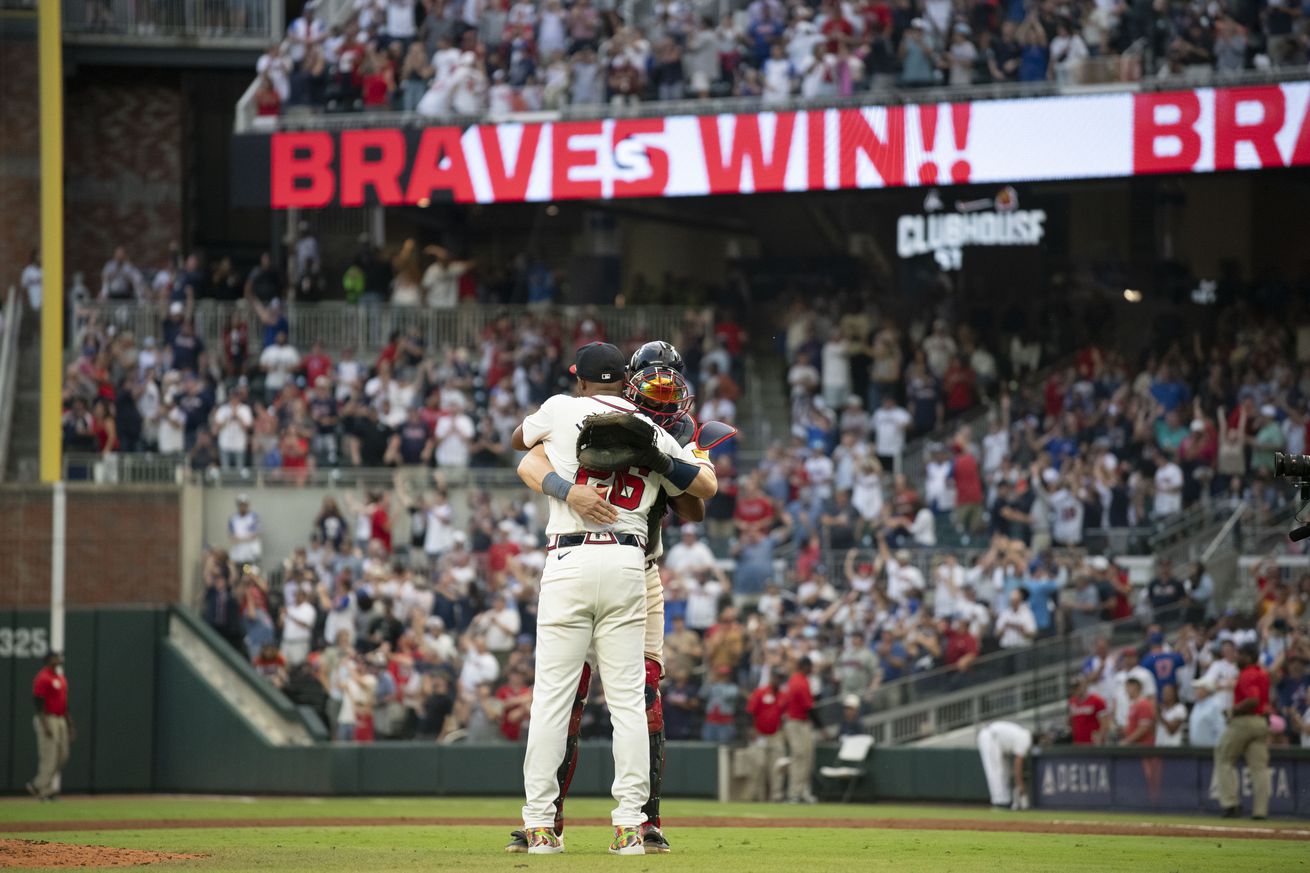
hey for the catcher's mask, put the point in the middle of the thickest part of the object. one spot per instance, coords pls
(660, 392)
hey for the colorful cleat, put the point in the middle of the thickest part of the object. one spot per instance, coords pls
(654, 841)
(543, 841)
(626, 842)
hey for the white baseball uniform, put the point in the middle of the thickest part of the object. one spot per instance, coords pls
(997, 742)
(592, 595)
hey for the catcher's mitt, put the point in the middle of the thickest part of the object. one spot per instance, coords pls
(610, 441)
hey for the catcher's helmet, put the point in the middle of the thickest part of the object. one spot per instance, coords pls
(660, 392)
(656, 352)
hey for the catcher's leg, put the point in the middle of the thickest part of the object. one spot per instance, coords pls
(655, 725)
(570, 762)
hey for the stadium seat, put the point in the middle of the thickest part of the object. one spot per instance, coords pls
(851, 755)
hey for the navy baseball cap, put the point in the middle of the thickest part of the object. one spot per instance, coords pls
(599, 362)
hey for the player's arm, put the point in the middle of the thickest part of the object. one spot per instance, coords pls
(688, 508)
(684, 471)
(589, 501)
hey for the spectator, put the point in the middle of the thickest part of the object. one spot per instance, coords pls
(1206, 722)
(120, 279)
(1166, 594)
(1140, 728)
(890, 422)
(1172, 719)
(1089, 714)
(245, 544)
(720, 695)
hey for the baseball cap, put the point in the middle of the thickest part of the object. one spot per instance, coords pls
(1268, 411)
(599, 362)
(243, 497)
(1155, 639)
(689, 528)
(851, 701)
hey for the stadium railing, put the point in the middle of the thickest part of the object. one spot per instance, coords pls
(932, 685)
(962, 709)
(367, 327)
(174, 23)
(310, 120)
(12, 325)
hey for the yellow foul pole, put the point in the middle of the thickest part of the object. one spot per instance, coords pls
(49, 41)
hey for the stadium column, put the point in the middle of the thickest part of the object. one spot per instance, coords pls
(51, 84)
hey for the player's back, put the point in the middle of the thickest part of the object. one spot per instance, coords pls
(556, 425)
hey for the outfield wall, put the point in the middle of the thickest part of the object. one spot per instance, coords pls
(147, 721)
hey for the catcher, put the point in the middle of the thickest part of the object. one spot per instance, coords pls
(657, 386)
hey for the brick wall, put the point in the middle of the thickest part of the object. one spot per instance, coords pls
(123, 546)
(20, 192)
(123, 155)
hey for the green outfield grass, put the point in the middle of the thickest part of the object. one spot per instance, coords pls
(717, 849)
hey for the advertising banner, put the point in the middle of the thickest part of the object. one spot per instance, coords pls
(990, 141)
(1078, 778)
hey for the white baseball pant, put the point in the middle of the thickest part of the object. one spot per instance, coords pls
(995, 767)
(654, 642)
(592, 596)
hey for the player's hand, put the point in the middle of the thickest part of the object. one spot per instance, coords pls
(590, 502)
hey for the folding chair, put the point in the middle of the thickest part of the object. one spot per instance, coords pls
(851, 755)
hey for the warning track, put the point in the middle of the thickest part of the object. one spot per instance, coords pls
(1001, 823)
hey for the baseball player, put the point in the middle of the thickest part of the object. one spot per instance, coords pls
(593, 590)
(657, 386)
(996, 742)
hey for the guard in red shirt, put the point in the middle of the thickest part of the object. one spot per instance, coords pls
(798, 705)
(54, 729)
(1247, 736)
(765, 707)
(1086, 714)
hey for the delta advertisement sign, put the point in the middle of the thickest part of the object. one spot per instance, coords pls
(994, 141)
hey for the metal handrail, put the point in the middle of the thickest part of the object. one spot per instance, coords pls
(909, 689)
(366, 328)
(962, 709)
(725, 105)
(13, 323)
(171, 23)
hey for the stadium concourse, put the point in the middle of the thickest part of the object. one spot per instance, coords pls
(395, 621)
(458, 59)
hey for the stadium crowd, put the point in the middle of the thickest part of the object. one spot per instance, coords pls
(1176, 690)
(1100, 442)
(447, 58)
(824, 535)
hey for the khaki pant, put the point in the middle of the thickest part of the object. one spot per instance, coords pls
(1246, 736)
(774, 749)
(51, 753)
(800, 746)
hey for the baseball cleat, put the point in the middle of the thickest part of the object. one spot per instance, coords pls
(543, 841)
(654, 840)
(518, 843)
(626, 842)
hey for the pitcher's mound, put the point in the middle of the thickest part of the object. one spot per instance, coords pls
(39, 853)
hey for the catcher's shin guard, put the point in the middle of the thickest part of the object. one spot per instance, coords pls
(570, 763)
(655, 725)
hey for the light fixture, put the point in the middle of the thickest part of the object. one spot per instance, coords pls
(424, 203)
(1132, 295)
(552, 210)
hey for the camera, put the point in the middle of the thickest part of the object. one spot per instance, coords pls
(1288, 466)
(1296, 467)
